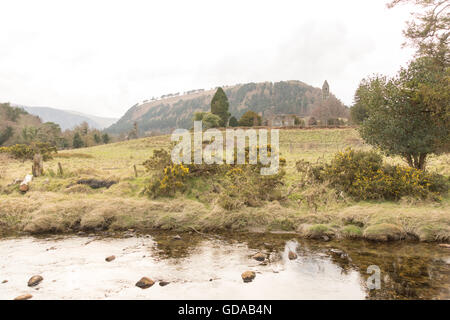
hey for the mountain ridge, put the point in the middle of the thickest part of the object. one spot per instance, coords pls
(176, 111)
(68, 119)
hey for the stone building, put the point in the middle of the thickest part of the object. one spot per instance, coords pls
(280, 120)
(325, 90)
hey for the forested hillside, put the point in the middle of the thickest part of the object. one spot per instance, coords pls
(176, 111)
(17, 126)
(12, 122)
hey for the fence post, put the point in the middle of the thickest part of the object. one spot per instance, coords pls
(60, 169)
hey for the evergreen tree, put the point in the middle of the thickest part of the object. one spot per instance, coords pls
(97, 138)
(77, 142)
(220, 105)
(106, 139)
(233, 122)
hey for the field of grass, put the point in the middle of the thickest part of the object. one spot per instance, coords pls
(55, 203)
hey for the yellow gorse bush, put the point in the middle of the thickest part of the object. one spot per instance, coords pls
(26, 152)
(171, 181)
(363, 175)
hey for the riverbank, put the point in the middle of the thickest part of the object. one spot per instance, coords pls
(51, 213)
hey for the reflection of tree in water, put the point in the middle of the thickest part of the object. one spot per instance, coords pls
(408, 271)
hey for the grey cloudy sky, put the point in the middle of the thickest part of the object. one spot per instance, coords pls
(101, 57)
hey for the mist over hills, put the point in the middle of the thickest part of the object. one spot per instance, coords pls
(176, 111)
(68, 119)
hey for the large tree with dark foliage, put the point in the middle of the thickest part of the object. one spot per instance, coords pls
(408, 115)
(77, 141)
(233, 122)
(220, 105)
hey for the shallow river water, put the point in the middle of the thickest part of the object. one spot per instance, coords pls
(210, 267)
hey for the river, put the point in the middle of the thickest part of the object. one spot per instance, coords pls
(210, 266)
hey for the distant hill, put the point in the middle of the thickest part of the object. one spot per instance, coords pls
(68, 119)
(176, 111)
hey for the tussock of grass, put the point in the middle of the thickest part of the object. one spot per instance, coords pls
(352, 232)
(384, 232)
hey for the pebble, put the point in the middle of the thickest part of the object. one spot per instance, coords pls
(248, 276)
(259, 256)
(145, 283)
(35, 280)
(292, 255)
(24, 297)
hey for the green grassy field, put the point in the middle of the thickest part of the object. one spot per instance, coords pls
(52, 206)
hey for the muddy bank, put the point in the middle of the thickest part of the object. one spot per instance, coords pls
(50, 213)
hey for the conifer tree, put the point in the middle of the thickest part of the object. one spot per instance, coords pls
(220, 105)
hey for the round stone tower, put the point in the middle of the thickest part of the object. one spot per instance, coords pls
(325, 90)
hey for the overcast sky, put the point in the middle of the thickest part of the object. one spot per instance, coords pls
(101, 57)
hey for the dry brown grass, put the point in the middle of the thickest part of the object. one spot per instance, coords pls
(73, 155)
(39, 212)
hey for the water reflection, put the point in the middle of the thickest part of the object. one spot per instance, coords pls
(409, 270)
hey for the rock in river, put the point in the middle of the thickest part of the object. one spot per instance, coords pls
(145, 283)
(4, 281)
(24, 297)
(259, 256)
(110, 258)
(444, 245)
(248, 276)
(292, 255)
(163, 283)
(35, 280)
